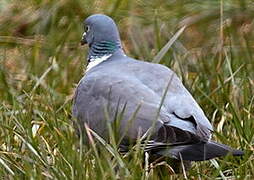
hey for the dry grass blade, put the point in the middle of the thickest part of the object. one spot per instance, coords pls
(39, 81)
(109, 148)
(217, 166)
(227, 80)
(88, 131)
(146, 165)
(154, 165)
(183, 168)
(165, 49)
(70, 166)
(19, 40)
(33, 150)
(6, 167)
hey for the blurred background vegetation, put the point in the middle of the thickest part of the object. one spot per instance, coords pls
(41, 61)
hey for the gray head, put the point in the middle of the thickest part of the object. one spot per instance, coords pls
(101, 35)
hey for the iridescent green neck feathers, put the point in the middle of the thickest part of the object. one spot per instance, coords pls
(102, 48)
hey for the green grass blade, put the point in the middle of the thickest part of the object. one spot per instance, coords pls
(165, 49)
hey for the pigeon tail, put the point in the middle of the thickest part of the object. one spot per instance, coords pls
(199, 151)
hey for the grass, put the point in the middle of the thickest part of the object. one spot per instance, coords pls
(41, 62)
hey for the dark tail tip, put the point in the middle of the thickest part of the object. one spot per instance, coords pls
(237, 152)
(200, 151)
(208, 150)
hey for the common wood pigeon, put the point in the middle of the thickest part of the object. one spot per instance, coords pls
(147, 97)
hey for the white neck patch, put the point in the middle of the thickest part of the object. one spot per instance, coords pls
(94, 61)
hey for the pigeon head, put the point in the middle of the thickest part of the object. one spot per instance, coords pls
(101, 35)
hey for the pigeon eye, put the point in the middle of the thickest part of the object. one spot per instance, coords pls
(87, 28)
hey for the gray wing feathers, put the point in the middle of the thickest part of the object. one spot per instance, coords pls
(93, 94)
(134, 87)
(179, 104)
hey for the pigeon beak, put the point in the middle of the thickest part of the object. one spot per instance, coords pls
(83, 40)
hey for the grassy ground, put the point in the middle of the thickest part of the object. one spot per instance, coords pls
(41, 62)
